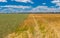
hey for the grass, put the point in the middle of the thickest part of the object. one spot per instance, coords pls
(9, 23)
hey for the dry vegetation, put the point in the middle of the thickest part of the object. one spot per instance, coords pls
(38, 26)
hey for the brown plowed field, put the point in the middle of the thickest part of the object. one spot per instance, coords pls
(38, 26)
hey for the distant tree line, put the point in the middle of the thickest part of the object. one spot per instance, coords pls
(32, 13)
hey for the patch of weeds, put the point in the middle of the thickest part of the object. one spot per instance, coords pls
(22, 28)
(43, 29)
(32, 29)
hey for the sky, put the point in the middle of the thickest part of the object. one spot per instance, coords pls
(29, 6)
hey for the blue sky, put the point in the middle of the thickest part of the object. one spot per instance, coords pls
(36, 3)
(30, 5)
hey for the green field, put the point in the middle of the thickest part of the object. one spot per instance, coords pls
(9, 23)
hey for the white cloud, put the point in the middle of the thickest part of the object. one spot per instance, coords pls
(45, 9)
(15, 6)
(25, 1)
(43, 3)
(3, 1)
(57, 2)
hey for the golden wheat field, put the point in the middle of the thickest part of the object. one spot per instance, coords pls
(38, 26)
